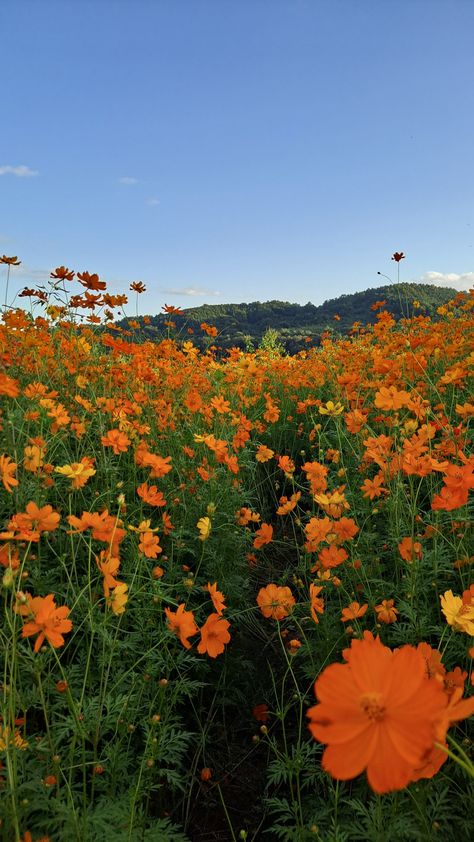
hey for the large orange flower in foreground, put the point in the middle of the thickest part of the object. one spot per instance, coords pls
(376, 713)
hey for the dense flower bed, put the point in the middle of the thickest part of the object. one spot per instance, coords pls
(209, 562)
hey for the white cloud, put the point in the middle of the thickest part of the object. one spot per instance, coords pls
(128, 179)
(26, 272)
(153, 201)
(462, 281)
(20, 171)
(191, 291)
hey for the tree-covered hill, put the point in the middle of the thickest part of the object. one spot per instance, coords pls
(244, 325)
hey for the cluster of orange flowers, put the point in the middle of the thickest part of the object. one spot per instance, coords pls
(214, 632)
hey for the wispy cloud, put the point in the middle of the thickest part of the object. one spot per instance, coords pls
(128, 179)
(26, 272)
(190, 291)
(21, 171)
(153, 201)
(462, 281)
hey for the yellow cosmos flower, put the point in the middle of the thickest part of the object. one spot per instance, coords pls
(204, 525)
(459, 615)
(331, 409)
(77, 472)
(118, 598)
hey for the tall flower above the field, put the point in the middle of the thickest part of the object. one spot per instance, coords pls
(181, 622)
(204, 526)
(397, 256)
(458, 614)
(275, 602)
(376, 713)
(46, 620)
(214, 636)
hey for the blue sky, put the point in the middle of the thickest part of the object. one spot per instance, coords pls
(238, 150)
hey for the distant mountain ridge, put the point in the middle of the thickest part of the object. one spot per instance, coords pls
(244, 324)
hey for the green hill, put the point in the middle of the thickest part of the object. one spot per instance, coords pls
(243, 324)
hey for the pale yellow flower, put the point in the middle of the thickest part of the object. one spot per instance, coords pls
(118, 598)
(204, 525)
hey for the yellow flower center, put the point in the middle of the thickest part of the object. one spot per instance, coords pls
(373, 706)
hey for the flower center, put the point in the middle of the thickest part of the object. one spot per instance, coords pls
(373, 706)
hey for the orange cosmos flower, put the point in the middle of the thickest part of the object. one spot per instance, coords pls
(36, 519)
(386, 613)
(410, 549)
(353, 611)
(48, 621)
(33, 457)
(10, 261)
(432, 657)
(217, 597)
(376, 713)
(263, 536)
(160, 466)
(151, 495)
(332, 556)
(117, 440)
(286, 506)
(62, 273)
(214, 636)
(263, 453)
(169, 308)
(108, 566)
(138, 286)
(373, 488)
(388, 398)
(8, 386)
(316, 601)
(286, 464)
(7, 469)
(397, 256)
(316, 531)
(149, 544)
(181, 622)
(91, 281)
(220, 404)
(275, 601)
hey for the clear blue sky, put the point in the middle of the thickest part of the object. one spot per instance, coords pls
(239, 149)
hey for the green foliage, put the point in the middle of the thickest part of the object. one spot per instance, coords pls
(245, 325)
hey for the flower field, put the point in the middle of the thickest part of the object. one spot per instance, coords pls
(237, 589)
